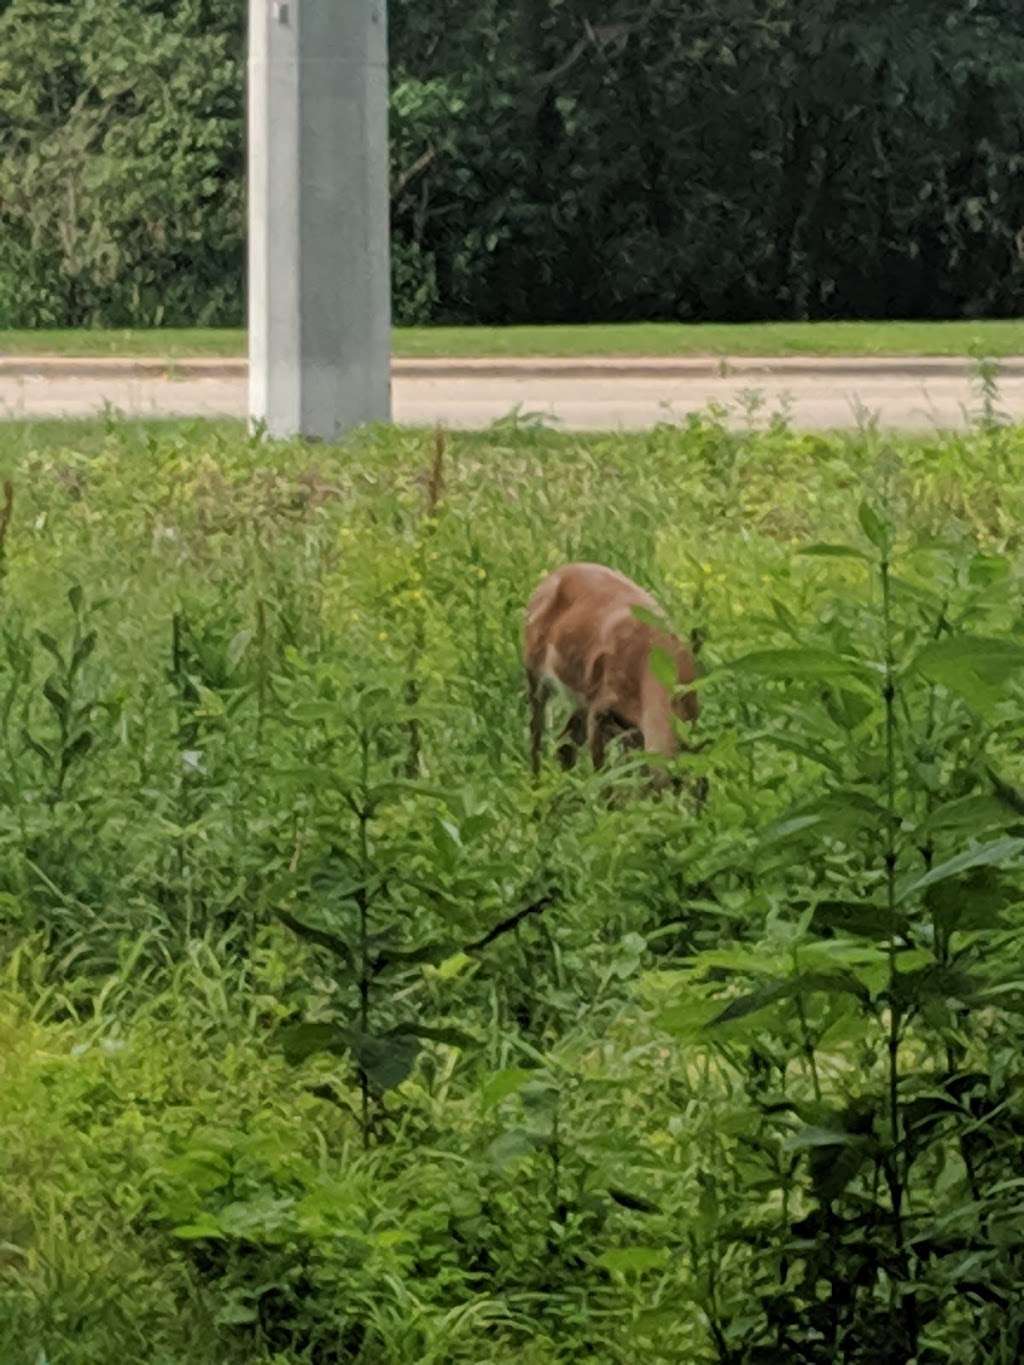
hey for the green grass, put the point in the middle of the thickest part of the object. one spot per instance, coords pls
(993, 338)
(157, 342)
(580, 1164)
(24, 439)
(753, 339)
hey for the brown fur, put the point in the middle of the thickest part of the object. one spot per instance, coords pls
(581, 631)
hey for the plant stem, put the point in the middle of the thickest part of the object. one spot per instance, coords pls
(808, 1044)
(557, 1213)
(363, 904)
(889, 694)
(261, 667)
(6, 512)
(898, 1169)
(435, 487)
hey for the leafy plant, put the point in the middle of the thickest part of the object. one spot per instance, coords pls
(71, 734)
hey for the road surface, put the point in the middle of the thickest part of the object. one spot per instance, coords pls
(578, 396)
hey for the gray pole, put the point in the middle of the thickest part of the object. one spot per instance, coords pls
(319, 260)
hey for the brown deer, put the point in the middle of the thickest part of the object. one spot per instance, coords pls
(582, 631)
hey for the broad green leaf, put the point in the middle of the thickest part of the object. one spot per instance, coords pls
(386, 1061)
(238, 645)
(633, 1202)
(503, 1084)
(785, 618)
(80, 745)
(451, 1037)
(1005, 995)
(858, 918)
(813, 1136)
(985, 855)
(977, 901)
(976, 668)
(736, 960)
(309, 777)
(299, 1041)
(514, 1145)
(1007, 794)
(934, 982)
(320, 937)
(991, 657)
(836, 954)
(824, 551)
(236, 1314)
(756, 1001)
(833, 983)
(400, 785)
(663, 668)
(454, 966)
(984, 570)
(284, 883)
(857, 804)
(203, 1168)
(804, 983)
(55, 697)
(52, 647)
(784, 830)
(430, 953)
(203, 1228)
(913, 593)
(802, 749)
(40, 750)
(838, 813)
(540, 1095)
(317, 710)
(969, 813)
(633, 1260)
(874, 527)
(833, 1168)
(85, 648)
(789, 664)
(690, 1019)
(263, 1214)
(851, 710)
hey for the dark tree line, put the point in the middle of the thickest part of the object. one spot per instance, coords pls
(552, 159)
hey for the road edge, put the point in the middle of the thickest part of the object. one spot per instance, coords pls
(593, 367)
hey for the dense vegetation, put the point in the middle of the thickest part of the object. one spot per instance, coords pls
(569, 161)
(327, 1036)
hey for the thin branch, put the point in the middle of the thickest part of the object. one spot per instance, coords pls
(506, 926)
(411, 172)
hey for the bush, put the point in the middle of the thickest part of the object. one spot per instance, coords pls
(121, 178)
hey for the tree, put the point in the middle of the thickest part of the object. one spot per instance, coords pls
(551, 159)
(121, 175)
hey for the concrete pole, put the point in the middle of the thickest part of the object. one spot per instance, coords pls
(319, 258)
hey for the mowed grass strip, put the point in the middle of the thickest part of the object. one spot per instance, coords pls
(996, 338)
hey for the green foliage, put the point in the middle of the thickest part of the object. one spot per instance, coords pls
(122, 156)
(329, 1035)
(550, 162)
(736, 161)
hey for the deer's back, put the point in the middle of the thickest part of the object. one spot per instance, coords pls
(582, 631)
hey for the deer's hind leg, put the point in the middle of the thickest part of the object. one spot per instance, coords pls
(597, 736)
(572, 738)
(537, 696)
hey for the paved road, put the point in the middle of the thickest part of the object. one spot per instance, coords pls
(919, 396)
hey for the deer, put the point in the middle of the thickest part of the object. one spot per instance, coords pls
(592, 630)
